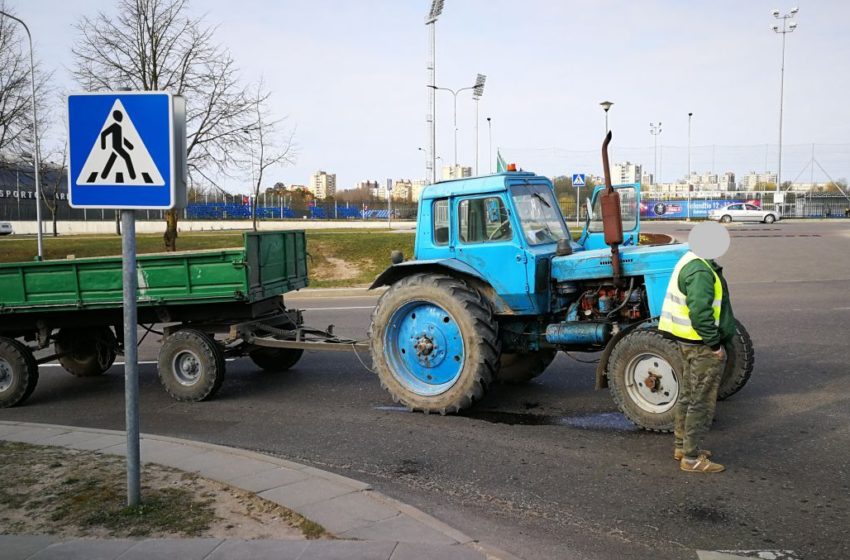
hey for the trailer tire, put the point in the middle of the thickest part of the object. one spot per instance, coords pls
(446, 359)
(637, 356)
(18, 372)
(739, 363)
(522, 368)
(191, 365)
(88, 352)
(275, 359)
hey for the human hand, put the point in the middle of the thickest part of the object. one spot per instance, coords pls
(720, 353)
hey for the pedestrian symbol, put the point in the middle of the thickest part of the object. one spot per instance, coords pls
(578, 180)
(119, 156)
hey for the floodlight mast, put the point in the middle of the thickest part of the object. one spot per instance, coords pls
(477, 92)
(430, 22)
(786, 28)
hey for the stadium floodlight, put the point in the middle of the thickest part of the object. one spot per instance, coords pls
(478, 88)
(436, 10)
(776, 13)
(793, 26)
(794, 11)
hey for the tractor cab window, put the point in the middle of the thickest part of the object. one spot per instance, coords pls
(628, 210)
(440, 217)
(481, 220)
(539, 213)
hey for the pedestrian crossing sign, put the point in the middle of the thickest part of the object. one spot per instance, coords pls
(578, 180)
(127, 150)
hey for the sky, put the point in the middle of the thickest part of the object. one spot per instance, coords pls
(349, 76)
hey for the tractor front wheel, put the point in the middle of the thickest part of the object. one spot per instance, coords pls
(644, 373)
(435, 343)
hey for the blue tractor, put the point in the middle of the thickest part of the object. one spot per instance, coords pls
(497, 287)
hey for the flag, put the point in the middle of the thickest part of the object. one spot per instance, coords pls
(500, 163)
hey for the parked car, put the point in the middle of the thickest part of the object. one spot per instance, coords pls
(5, 228)
(743, 212)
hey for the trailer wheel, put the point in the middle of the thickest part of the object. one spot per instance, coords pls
(276, 359)
(739, 363)
(644, 370)
(87, 352)
(435, 343)
(191, 365)
(521, 368)
(18, 372)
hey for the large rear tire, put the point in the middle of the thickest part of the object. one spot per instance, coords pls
(522, 368)
(18, 372)
(643, 371)
(86, 352)
(435, 343)
(739, 363)
(191, 365)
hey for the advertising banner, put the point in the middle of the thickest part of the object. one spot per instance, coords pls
(678, 209)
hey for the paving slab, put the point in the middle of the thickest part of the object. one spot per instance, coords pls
(223, 467)
(399, 528)
(164, 453)
(305, 492)
(350, 550)
(84, 549)
(69, 439)
(355, 484)
(236, 549)
(100, 441)
(267, 480)
(171, 549)
(418, 551)
(343, 513)
(19, 547)
(33, 435)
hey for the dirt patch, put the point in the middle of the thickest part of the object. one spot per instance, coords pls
(655, 239)
(336, 269)
(69, 493)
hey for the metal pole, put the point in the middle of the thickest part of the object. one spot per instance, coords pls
(431, 164)
(689, 165)
(490, 145)
(781, 104)
(131, 357)
(454, 93)
(390, 209)
(476, 137)
(36, 158)
(578, 203)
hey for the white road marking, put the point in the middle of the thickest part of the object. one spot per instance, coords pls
(141, 363)
(336, 308)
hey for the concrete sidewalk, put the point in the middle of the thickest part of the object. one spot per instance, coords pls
(369, 524)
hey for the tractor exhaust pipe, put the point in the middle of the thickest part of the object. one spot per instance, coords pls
(612, 220)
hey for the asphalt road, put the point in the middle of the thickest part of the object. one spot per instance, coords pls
(550, 470)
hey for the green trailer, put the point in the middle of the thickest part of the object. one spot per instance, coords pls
(214, 304)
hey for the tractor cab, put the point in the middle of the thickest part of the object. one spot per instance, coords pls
(592, 237)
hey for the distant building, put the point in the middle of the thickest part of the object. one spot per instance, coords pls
(402, 190)
(751, 181)
(711, 181)
(416, 189)
(625, 173)
(322, 184)
(456, 172)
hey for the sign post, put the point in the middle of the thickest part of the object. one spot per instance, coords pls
(578, 183)
(128, 152)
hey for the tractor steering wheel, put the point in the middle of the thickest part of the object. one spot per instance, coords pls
(503, 228)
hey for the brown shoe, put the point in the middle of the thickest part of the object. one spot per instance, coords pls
(701, 464)
(679, 453)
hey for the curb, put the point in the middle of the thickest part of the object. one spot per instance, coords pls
(348, 508)
(312, 293)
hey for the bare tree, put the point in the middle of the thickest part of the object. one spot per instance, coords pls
(16, 90)
(54, 177)
(158, 45)
(267, 146)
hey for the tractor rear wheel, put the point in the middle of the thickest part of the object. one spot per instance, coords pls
(18, 372)
(740, 360)
(435, 343)
(644, 372)
(86, 352)
(522, 368)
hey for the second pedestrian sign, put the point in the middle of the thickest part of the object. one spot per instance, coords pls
(127, 150)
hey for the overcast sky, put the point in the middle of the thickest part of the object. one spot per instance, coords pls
(350, 75)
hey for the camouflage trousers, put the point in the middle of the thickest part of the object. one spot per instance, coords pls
(697, 396)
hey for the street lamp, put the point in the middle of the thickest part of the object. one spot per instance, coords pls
(40, 241)
(430, 22)
(786, 28)
(490, 145)
(689, 165)
(454, 93)
(477, 92)
(655, 130)
(606, 105)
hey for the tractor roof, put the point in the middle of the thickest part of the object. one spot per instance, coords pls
(478, 185)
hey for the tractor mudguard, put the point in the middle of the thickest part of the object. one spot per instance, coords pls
(452, 267)
(602, 366)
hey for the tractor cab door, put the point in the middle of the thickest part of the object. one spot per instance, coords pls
(593, 237)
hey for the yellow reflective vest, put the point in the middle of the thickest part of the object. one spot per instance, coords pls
(675, 315)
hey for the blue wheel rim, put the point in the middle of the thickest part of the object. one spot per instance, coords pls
(424, 348)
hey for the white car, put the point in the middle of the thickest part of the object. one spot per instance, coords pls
(743, 212)
(5, 228)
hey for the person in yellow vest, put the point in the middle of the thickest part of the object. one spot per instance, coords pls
(697, 313)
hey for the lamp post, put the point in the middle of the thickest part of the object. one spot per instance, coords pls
(786, 28)
(655, 130)
(689, 165)
(454, 93)
(477, 92)
(490, 145)
(606, 105)
(430, 23)
(35, 152)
